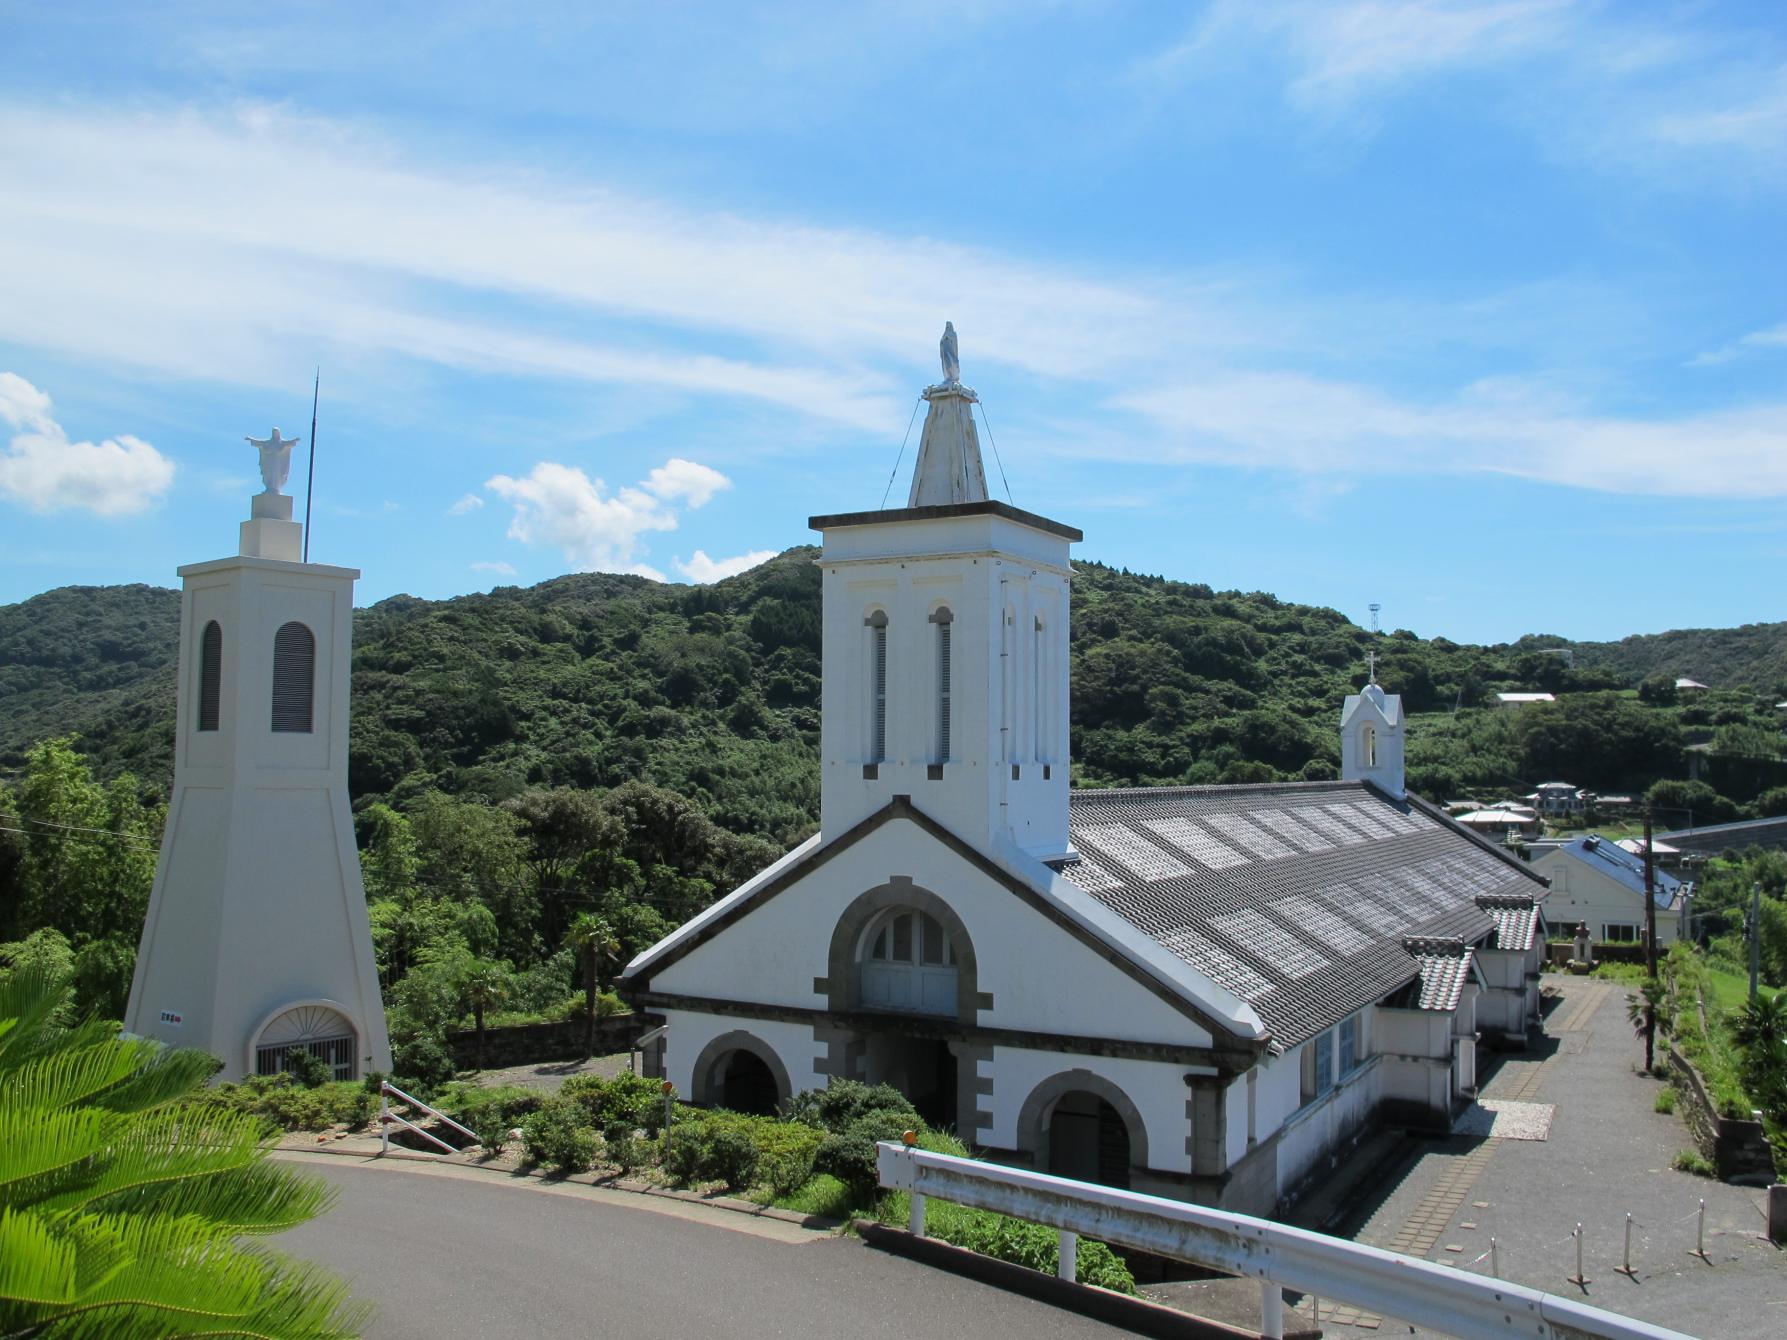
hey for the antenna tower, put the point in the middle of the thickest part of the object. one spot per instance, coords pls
(1375, 607)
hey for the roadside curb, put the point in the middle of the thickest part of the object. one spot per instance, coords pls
(1137, 1315)
(732, 1204)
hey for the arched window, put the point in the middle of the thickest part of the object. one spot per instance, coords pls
(944, 621)
(1368, 747)
(210, 676)
(877, 626)
(294, 678)
(908, 963)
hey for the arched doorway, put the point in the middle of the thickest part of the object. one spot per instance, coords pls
(322, 1030)
(744, 1083)
(1088, 1140)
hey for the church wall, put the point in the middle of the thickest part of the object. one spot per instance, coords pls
(690, 1031)
(1311, 1133)
(1040, 977)
(1157, 1090)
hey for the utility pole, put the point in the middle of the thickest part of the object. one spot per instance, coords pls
(1755, 932)
(1650, 940)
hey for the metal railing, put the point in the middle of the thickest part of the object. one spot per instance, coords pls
(387, 1119)
(1441, 1298)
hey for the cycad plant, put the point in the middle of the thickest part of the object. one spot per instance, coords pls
(125, 1198)
(594, 942)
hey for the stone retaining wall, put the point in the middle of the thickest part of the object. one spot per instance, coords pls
(1738, 1149)
(561, 1040)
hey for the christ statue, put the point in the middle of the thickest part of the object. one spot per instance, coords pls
(276, 458)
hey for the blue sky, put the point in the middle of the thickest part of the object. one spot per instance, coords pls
(1475, 310)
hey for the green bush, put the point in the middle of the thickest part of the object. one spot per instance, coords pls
(851, 1156)
(742, 1150)
(628, 1098)
(423, 1064)
(558, 1136)
(842, 1103)
(308, 1068)
(730, 1155)
(286, 1103)
(1025, 1244)
(624, 1147)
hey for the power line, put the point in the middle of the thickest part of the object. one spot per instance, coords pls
(73, 828)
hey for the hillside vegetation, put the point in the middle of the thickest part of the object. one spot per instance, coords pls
(592, 680)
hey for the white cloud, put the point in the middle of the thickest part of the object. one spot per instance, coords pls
(677, 478)
(499, 568)
(471, 502)
(701, 569)
(46, 472)
(1317, 426)
(563, 508)
(1774, 337)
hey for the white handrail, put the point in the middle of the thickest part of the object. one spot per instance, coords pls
(1442, 1298)
(387, 1117)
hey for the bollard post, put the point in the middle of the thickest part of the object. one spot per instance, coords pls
(1579, 1279)
(1067, 1267)
(1495, 1260)
(664, 1149)
(915, 1218)
(1626, 1268)
(1700, 1236)
(384, 1119)
(1271, 1311)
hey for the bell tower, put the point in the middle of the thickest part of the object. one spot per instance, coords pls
(946, 649)
(1371, 743)
(256, 942)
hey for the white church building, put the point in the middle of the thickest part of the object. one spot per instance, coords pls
(1199, 992)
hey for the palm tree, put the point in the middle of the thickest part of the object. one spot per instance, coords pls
(1760, 1028)
(486, 984)
(124, 1196)
(1644, 1010)
(595, 943)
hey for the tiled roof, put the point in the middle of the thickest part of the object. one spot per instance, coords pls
(1516, 918)
(1445, 966)
(1295, 898)
(1621, 866)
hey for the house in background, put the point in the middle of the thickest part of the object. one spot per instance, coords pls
(1199, 992)
(1600, 884)
(1686, 685)
(1517, 700)
(1558, 800)
(1502, 824)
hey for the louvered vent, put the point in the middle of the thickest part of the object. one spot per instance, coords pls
(294, 678)
(877, 686)
(943, 628)
(210, 676)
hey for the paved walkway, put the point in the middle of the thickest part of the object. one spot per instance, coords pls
(1607, 1155)
(447, 1251)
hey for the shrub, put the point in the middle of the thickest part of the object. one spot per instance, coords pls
(844, 1102)
(730, 1155)
(851, 1156)
(1665, 1101)
(625, 1149)
(286, 1103)
(423, 1064)
(629, 1098)
(558, 1136)
(1692, 1161)
(308, 1068)
(1026, 1244)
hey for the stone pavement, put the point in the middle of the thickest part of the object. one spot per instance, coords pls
(1607, 1156)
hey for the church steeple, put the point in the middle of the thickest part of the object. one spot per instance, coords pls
(949, 468)
(1371, 744)
(945, 661)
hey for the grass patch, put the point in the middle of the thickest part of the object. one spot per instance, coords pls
(1731, 989)
(1665, 1101)
(823, 1195)
(1692, 1161)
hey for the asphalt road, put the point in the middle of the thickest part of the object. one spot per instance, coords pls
(460, 1254)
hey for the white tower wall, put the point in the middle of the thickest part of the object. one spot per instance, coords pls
(257, 926)
(1371, 740)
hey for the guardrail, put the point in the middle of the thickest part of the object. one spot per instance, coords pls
(1441, 1298)
(387, 1119)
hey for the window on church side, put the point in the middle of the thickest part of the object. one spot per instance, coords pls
(1008, 726)
(294, 678)
(1349, 1045)
(1039, 692)
(944, 621)
(877, 686)
(1368, 746)
(210, 676)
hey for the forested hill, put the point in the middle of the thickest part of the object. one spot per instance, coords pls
(1755, 654)
(591, 679)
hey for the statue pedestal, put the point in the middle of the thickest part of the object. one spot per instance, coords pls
(270, 531)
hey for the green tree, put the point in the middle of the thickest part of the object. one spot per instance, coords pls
(388, 856)
(486, 985)
(124, 1200)
(595, 943)
(1760, 1030)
